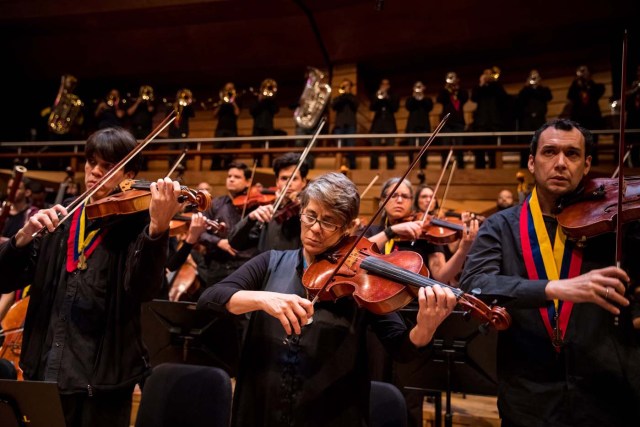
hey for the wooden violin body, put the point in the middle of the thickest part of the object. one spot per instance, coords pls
(12, 326)
(287, 212)
(180, 225)
(256, 197)
(594, 210)
(385, 283)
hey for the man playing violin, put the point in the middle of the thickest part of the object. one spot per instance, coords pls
(280, 230)
(88, 279)
(298, 372)
(221, 257)
(564, 361)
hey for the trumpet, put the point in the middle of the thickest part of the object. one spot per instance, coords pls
(382, 94)
(418, 90)
(111, 99)
(451, 81)
(184, 97)
(534, 78)
(345, 87)
(268, 87)
(146, 93)
(495, 73)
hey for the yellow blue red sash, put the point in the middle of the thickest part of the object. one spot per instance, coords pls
(79, 246)
(545, 261)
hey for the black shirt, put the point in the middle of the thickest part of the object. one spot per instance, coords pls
(227, 118)
(345, 107)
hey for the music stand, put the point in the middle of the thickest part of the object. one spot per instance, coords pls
(30, 404)
(462, 358)
(175, 332)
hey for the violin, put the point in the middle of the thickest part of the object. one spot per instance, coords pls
(439, 231)
(385, 283)
(593, 210)
(287, 212)
(255, 197)
(134, 196)
(12, 327)
(180, 224)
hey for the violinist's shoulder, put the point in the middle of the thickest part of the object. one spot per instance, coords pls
(509, 215)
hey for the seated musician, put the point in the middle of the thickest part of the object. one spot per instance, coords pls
(566, 360)
(422, 200)
(318, 376)
(88, 279)
(397, 233)
(260, 227)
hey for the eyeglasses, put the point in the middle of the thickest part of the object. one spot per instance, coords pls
(309, 220)
(400, 196)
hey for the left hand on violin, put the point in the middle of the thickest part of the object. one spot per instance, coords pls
(435, 304)
(164, 205)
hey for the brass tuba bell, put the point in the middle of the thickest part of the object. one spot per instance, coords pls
(313, 100)
(66, 107)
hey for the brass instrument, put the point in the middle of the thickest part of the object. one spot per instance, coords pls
(382, 94)
(495, 73)
(534, 78)
(451, 81)
(146, 93)
(313, 100)
(345, 87)
(418, 90)
(111, 99)
(184, 97)
(228, 93)
(268, 88)
(582, 72)
(66, 107)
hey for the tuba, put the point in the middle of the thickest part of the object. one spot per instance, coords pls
(66, 107)
(313, 100)
(268, 87)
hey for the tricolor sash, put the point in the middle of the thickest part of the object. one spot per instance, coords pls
(545, 261)
(79, 246)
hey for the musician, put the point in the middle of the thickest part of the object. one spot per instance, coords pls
(385, 104)
(346, 106)
(263, 111)
(317, 376)
(109, 112)
(419, 106)
(226, 113)
(259, 227)
(141, 113)
(581, 369)
(584, 95)
(222, 258)
(531, 108)
(82, 328)
(423, 198)
(489, 114)
(505, 200)
(453, 98)
(179, 128)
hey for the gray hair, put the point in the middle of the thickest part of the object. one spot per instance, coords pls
(392, 182)
(335, 191)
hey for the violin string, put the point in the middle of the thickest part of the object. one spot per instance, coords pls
(383, 204)
(74, 205)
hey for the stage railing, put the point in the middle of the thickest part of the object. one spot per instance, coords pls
(329, 144)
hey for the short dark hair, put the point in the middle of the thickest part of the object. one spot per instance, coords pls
(565, 125)
(290, 159)
(243, 167)
(112, 145)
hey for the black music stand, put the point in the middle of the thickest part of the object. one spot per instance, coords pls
(461, 358)
(30, 404)
(175, 332)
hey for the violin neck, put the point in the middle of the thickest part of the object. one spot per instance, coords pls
(397, 274)
(446, 224)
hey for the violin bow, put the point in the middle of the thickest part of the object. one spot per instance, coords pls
(303, 157)
(175, 165)
(626, 157)
(366, 190)
(446, 189)
(73, 206)
(246, 200)
(415, 161)
(437, 187)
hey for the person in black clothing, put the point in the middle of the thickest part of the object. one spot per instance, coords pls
(419, 106)
(294, 372)
(179, 128)
(108, 112)
(260, 228)
(385, 106)
(221, 258)
(584, 95)
(565, 360)
(633, 119)
(263, 111)
(88, 280)
(226, 112)
(346, 106)
(531, 108)
(453, 98)
(141, 113)
(489, 115)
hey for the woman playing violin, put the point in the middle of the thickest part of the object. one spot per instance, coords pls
(318, 376)
(280, 230)
(396, 226)
(421, 202)
(88, 280)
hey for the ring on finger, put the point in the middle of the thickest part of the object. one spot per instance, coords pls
(606, 294)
